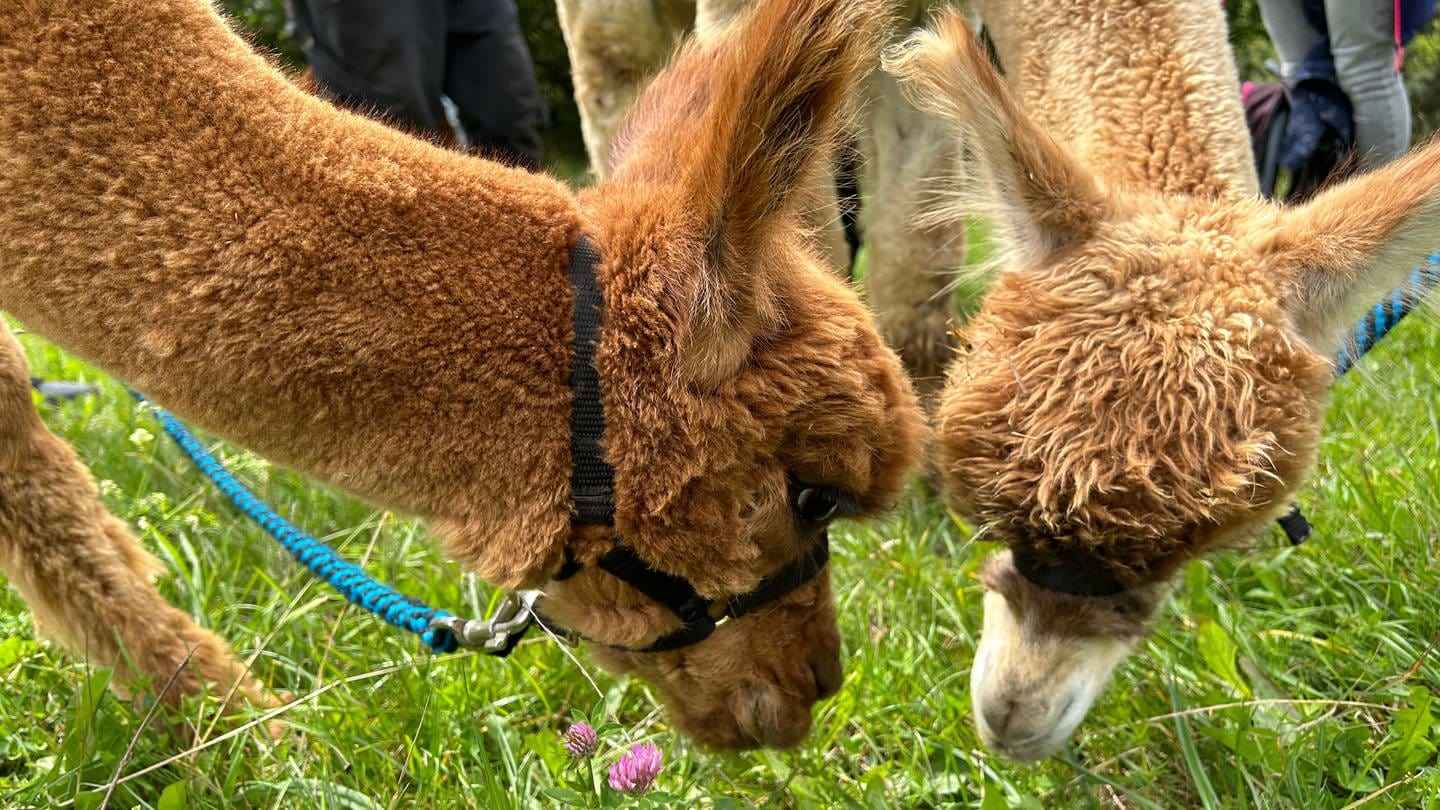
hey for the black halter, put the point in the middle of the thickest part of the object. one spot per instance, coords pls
(592, 488)
(1074, 574)
(1088, 575)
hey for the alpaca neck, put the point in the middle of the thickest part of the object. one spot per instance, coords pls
(1143, 90)
(347, 301)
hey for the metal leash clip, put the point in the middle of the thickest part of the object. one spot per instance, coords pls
(498, 633)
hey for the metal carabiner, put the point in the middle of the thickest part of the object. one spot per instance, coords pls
(498, 633)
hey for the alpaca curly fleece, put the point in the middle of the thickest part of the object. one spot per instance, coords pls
(395, 319)
(1146, 378)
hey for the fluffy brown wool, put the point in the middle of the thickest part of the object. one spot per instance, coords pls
(1136, 387)
(395, 319)
(1146, 378)
(617, 45)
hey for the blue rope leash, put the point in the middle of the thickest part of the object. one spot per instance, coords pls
(1385, 315)
(349, 579)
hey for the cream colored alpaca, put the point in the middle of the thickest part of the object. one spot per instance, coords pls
(1146, 379)
(396, 319)
(617, 45)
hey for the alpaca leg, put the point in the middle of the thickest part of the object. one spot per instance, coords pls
(85, 577)
(909, 155)
(615, 46)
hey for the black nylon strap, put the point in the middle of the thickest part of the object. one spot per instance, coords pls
(592, 479)
(675, 593)
(693, 610)
(1077, 575)
(669, 590)
(1296, 527)
(1084, 576)
(800, 571)
(692, 632)
(592, 487)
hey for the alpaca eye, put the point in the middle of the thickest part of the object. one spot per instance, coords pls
(815, 504)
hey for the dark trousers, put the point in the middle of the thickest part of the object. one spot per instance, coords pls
(397, 57)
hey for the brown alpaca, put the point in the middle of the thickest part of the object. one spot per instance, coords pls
(617, 45)
(1146, 379)
(396, 319)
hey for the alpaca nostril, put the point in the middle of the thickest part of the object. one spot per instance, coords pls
(998, 715)
(828, 676)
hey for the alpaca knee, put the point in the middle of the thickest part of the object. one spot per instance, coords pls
(615, 45)
(916, 245)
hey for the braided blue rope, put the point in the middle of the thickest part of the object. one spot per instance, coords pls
(349, 579)
(1385, 315)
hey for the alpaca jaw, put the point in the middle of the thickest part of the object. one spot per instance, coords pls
(752, 683)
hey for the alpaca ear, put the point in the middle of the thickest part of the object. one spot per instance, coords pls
(1045, 198)
(777, 86)
(1354, 242)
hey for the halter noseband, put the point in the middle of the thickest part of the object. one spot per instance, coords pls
(695, 611)
(1080, 574)
(1073, 574)
(592, 487)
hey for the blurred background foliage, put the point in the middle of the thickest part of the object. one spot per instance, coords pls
(265, 19)
(266, 23)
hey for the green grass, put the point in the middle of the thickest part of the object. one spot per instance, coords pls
(1282, 677)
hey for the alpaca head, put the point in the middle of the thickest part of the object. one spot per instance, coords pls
(1144, 382)
(737, 371)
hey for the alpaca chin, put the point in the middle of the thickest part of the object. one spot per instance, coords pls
(754, 682)
(1031, 690)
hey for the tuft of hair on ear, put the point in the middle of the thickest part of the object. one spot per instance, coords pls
(944, 70)
(784, 79)
(1355, 241)
(1035, 193)
(743, 124)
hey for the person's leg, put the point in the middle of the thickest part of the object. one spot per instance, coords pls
(489, 76)
(1295, 40)
(378, 56)
(1362, 42)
